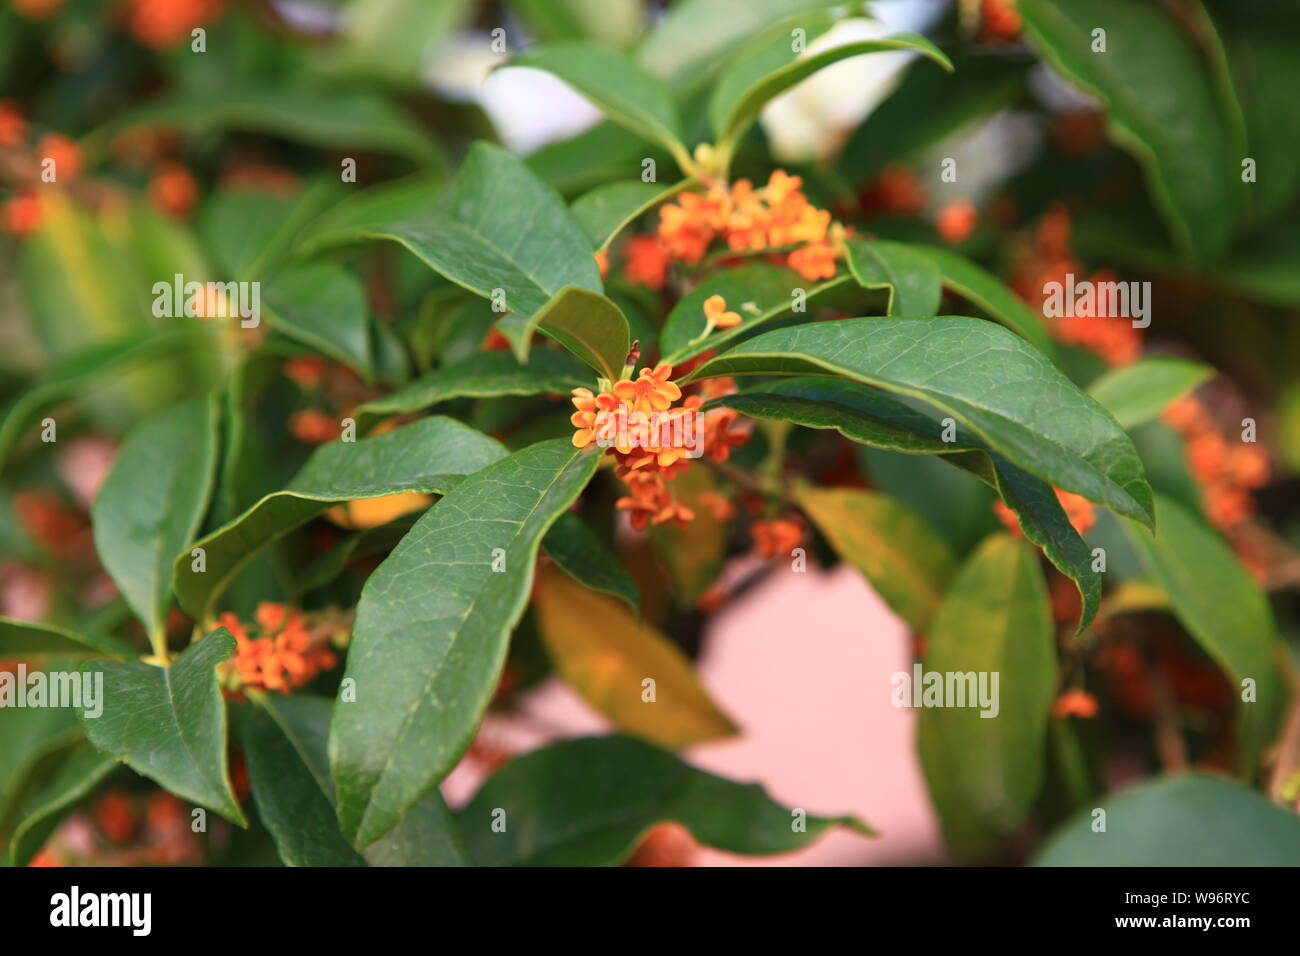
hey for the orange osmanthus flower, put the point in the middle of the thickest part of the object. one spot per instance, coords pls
(65, 153)
(647, 262)
(13, 128)
(1074, 703)
(284, 655)
(776, 536)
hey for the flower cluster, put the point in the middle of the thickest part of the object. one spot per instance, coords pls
(1226, 471)
(636, 421)
(772, 219)
(776, 536)
(1051, 259)
(22, 213)
(284, 655)
(164, 23)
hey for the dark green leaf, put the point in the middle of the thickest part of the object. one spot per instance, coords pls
(910, 276)
(989, 293)
(152, 503)
(169, 723)
(498, 228)
(986, 378)
(746, 86)
(619, 85)
(432, 631)
(75, 776)
(575, 548)
(31, 640)
(428, 456)
(322, 306)
(1163, 823)
(588, 802)
(606, 211)
(1162, 104)
(427, 836)
(483, 375)
(285, 742)
(987, 752)
(586, 323)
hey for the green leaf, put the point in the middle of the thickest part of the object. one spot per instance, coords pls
(432, 631)
(323, 306)
(76, 775)
(1161, 103)
(75, 376)
(988, 292)
(1223, 608)
(747, 85)
(1138, 393)
(32, 640)
(872, 418)
(285, 742)
(604, 212)
(427, 836)
(588, 802)
(628, 94)
(907, 563)
(483, 375)
(988, 753)
(527, 247)
(577, 551)
(605, 652)
(347, 221)
(169, 723)
(910, 276)
(986, 378)
(249, 228)
(1163, 823)
(694, 38)
(337, 118)
(929, 106)
(586, 323)
(429, 457)
(32, 738)
(757, 292)
(615, 22)
(152, 503)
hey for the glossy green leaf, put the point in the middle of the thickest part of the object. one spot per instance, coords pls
(989, 741)
(628, 94)
(372, 207)
(1223, 608)
(1138, 393)
(987, 379)
(428, 835)
(607, 210)
(322, 306)
(615, 22)
(32, 738)
(169, 723)
(32, 640)
(1161, 102)
(988, 292)
(1164, 823)
(906, 563)
(588, 802)
(586, 323)
(152, 503)
(577, 551)
(499, 230)
(76, 775)
(483, 375)
(910, 276)
(285, 744)
(429, 456)
(874, 419)
(695, 37)
(432, 631)
(750, 83)
(757, 292)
